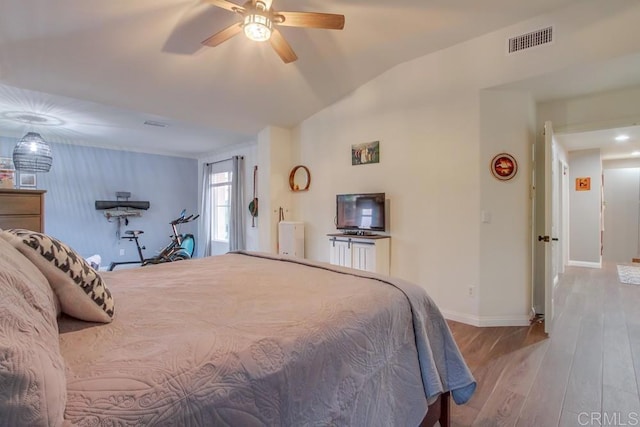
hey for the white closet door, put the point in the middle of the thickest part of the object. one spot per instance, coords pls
(621, 214)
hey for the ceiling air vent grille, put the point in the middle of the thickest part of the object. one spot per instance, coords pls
(532, 39)
(155, 123)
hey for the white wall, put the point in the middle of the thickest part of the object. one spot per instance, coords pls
(585, 213)
(505, 117)
(274, 159)
(426, 113)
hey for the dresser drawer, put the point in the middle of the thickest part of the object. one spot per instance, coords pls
(20, 204)
(30, 222)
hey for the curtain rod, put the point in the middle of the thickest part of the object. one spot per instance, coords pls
(223, 160)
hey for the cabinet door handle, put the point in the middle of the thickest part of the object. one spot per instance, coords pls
(334, 242)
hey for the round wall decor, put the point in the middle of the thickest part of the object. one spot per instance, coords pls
(299, 178)
(504, 166)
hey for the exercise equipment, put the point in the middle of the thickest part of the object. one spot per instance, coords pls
(180, 247)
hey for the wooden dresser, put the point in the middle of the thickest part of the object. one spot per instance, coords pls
(22, 209)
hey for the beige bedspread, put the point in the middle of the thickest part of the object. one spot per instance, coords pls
(240, 340)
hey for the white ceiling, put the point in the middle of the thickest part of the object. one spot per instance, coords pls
(103, 67)
(605, 140)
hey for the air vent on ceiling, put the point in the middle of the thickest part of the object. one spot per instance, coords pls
(156, 124)
(532, 39)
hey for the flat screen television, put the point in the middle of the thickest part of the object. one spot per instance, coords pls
(360, 212)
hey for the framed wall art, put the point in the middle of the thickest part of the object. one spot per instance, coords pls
(362, 154)
(6, 163)
(504, 166)
(26, 180)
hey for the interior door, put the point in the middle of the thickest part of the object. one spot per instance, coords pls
(548, 238)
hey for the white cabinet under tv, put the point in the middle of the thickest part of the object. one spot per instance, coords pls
(368, 252)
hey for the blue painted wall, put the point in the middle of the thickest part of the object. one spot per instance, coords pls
(80, 175)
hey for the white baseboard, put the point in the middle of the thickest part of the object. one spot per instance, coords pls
(484, 321)
(584, 264)
(461, 317)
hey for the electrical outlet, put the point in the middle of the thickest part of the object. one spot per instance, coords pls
(471, 290)
(121, 252)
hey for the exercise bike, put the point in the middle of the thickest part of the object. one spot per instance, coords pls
(181, 246)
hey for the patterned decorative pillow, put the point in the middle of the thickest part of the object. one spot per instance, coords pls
(80, 289)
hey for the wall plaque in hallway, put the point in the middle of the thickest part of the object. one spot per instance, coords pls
(583, 184)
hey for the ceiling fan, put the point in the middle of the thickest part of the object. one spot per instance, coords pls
(259, 21)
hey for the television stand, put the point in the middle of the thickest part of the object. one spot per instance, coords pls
(369, 252)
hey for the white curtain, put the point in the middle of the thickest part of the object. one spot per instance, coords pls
(205, 211)
(236, 225)
(236, 217)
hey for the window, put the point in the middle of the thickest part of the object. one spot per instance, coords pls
(221, 200)
(365, 218)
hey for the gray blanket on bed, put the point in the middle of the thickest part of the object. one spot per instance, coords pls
(251, 340)
(441, 364)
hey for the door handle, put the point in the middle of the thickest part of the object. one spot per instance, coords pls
(546, 239)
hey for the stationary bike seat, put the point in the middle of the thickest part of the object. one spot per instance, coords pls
(134, 233)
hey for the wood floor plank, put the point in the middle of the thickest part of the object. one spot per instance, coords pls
(572, 419)
(574, 304)
(620, 407)
(506, 400)
(584, 389)
(487, 376)
(463, 415)
(618, 369)
(503, 412)
(589, 364)
(477, 352)
(633, 330)
(543, 404)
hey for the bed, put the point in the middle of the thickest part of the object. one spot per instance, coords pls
(251, 339)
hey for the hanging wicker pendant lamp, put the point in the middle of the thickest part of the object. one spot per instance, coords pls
(32, 154)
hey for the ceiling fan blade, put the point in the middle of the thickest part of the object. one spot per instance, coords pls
(282, 48)
(327, 21)
(231, 7)
(223, 35)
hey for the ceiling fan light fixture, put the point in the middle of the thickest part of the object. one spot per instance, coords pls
(257, 27)
(257, 24)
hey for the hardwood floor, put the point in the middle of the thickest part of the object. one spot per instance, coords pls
(586, 373)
